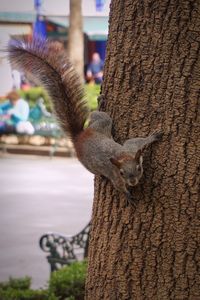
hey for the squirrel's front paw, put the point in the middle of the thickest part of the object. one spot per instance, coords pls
(157, 135)
(101, 101)
(130, 199)
(101, 97)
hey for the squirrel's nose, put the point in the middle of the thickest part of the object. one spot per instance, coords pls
(133, 181)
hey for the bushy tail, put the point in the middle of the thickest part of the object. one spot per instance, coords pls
(49, 66)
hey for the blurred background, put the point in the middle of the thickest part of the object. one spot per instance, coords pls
(43, 186)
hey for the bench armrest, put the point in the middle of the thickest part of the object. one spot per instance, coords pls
(62, 249)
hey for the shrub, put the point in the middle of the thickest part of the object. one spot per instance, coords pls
(69, 282)
(92, 92)
(14, 294)
(19, 284)
(19, 289)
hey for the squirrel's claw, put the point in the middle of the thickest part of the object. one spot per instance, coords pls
(101, 101)
(157, 135)
(130, 199)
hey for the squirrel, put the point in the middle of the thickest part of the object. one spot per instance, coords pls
(94, 145)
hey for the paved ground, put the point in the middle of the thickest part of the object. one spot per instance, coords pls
(38, 195)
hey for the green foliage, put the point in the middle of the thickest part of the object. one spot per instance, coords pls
(31, 95)
(92, 91)
(19, 284)
(35, 93)
(14, 294)
(69, 282)
(19, 289)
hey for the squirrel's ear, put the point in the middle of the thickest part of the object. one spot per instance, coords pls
(137, 156)
(115, 162)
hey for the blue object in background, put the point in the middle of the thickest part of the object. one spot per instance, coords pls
(101, 48)
(100, 5)
(39, 28)
(37, 4)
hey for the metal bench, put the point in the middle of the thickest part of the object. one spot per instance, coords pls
(63, 250)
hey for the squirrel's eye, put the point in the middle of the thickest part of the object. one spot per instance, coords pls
(121, 172)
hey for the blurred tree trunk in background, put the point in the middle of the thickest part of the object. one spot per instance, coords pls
(75, 40)
(151, 82)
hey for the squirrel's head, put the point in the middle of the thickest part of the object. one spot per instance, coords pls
(129, 167)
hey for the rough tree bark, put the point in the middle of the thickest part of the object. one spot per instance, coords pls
(75, 40)
(151, 82)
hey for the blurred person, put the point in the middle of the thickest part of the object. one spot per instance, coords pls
(25, 83)
(16, 76)
(95, 69)
(39, 110)
(14, 115)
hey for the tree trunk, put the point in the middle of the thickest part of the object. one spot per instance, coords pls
(75, 41)
(151, 82)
